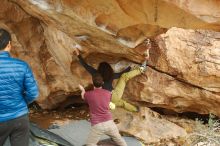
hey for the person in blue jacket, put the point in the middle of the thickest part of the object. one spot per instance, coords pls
(18, 88)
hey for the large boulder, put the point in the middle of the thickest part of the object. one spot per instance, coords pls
(147, 125)
(192, 56)
(183, 70)
(184, 63)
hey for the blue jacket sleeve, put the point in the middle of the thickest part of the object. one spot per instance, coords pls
(31, 90)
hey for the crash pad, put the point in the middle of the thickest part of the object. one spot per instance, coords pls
(76, 132)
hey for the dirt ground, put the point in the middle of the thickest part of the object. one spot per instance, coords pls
(46, 118)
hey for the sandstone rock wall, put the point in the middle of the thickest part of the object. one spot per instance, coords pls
(207, 11)
(183, 72)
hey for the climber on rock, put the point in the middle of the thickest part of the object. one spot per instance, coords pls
(108, 75)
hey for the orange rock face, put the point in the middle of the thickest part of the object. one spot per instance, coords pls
(183, 72)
